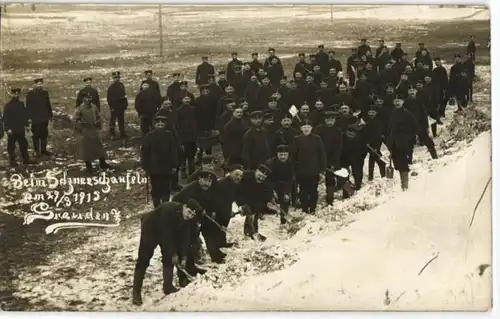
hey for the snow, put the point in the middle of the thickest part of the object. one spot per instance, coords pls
(385, 250)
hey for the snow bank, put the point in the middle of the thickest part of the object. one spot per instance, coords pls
(386, 249)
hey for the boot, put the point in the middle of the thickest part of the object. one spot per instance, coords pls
(136, 291)
(370, 174)
(88, 167)
(260, 237)
(433, 153)
(434, 129)
(382, 167)
(103, 164)
(13, 163)
(168, 276)
(199, 270)
(404, 180)
(330, 190)
(43, 147)
(191, 168)
(36, 146)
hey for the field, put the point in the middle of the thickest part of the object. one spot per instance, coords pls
(64, 43)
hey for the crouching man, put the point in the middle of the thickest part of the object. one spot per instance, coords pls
(169, 227)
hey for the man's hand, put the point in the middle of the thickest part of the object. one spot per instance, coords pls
(175, 259)
(183, 263)
(9, 132)
(286, 198)
(174, 170)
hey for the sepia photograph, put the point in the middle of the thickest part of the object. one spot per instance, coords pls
(187, 158)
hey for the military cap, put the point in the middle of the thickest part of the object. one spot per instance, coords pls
(234, 167)
(208, 159)
(284, 77)
(398, 44)
(148, 72)
(420, 43)
(288, 115)
(15, 90)
(211, 76)
(321, 46)
(336, 106)
(184, 83)
(205, 173)
(302, 54)
(165, 99)
(399, 97)
(271, 99)
(306, 122)
(193, 205)
(282, 148)
(381, 40)
(87, 79)
(255, 54)
(363, 39)
(330, 114)
(234, 53)
(268, 116)
(354, 49)
(372, 108)
(458, 55)
(313, 56)
(404, 54)
(116, 74)
(271, 50)
(389, 85)
(205, 57)
(331, 51)
(38, 80)
(222, 72)
(176, 74)
(264, 169)
(256, 114)
(420, 82)
(160, 118)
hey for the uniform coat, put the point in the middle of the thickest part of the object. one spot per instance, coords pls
(87, 126)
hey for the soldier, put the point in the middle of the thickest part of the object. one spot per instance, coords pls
(256, 65)
(333, 63)
(470, 67)
(397, 52)
(39, 113)
(471, 48)
(88, 89)
(87, 125)
(302, 66)
(222, 81)
(146, 107)
(159, 158)
(363, 48)
(206, 115)
(181, 94)
(118, 103)
(255, 148)
(440, 75)
(417, 109)
(174, 88)
(203, 71)
(381, 46)
(402, 131)
(322, 59)
(275, 71)
(187, 128)
(281, 178)
(169, 227)
(254, 194)
(283, 88)
(310, 161)
(153, 85)
(318, 114)
(353, 155)
(229, 97)
(372, 134)
(285, 135)
(272, 56)
(15, 123)
(331, 137)
(232, 137)
(231, 66)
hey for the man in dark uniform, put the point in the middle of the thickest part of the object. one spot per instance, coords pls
(256, 65)
(232, 138)
(333, 63)
(255, 192)
(118, 103)
(397, 52)
(363, 48)
(282, 177)
(146, 107)
(471, 48)
(168, 226)
(270, 58)
(203, 71)
(440, 76)
(381, 46)
(181, 94)
(255, 148)
(92, 91)
(402, 131)
(40, 113)
(232, 66)
(310, 161)
(15, 117)
(322, 59)
(159, 158)
(152, 84)
(470, 67)
(174, 88)
(302, 66)
(187, 128)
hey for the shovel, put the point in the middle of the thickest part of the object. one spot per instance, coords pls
(189, 277)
